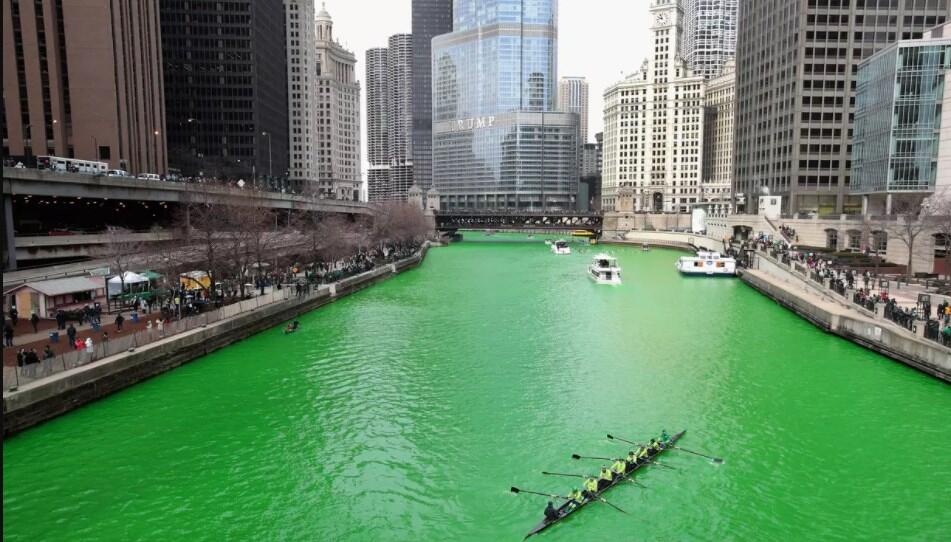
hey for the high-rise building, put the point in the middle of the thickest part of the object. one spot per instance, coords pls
(497, 140)
(796, 65)
(390, 119)
(83, 80)
(589, 189)
(709, 36)
(430, 18)
(225, 70)
(573, 98)
(301, 93)
(653, 126)
(378, 151)
(338, 115)
(902, 149)
(718, 129)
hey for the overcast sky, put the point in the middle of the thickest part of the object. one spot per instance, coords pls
(598, 39)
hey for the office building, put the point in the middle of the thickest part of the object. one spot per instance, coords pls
(338, 115)
(900, 142)
(301, 33)
(226, 99)
(497, 140)
(653, 127)
(718, 129)
(83, 80)
(709, 35)
(430, 18)
(796, 75)
(573, 98)
(589, 189)
(390, 119)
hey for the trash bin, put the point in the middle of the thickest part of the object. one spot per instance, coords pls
(135, 318)
(54, 336)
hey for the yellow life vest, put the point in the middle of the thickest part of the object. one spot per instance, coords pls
(619, 466)
(606, 475)
(643, 452)
(591, 485)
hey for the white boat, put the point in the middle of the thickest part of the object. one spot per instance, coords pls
(707, 263)
(645, 247)
(604, 270)
(560, 247)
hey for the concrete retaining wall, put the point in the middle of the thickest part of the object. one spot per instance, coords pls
(923, 355)
(61, 393)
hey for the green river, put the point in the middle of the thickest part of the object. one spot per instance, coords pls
(408, 410)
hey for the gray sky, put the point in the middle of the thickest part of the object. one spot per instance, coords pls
(598, 39)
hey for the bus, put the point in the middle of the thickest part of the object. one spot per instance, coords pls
(72, 165)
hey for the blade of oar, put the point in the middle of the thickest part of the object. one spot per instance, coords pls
(517, 491)
(563, 474)
(610, 436)
(576, 456)
(611, 505)
(710, 457)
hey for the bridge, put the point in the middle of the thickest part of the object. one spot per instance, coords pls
(519, 220)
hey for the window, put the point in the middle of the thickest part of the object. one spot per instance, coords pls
(832, 239)
(855, 240)
(879, 241)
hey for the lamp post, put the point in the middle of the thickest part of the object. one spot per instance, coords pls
(270, 170)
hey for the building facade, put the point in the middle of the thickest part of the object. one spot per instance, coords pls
(497, 140)
(225, 72)
(796, 65)
(430, 18)
(708, 41)
(84, 80)
(900, 98)
(338, 116)
(573, 98)
(390, 119)
(589, 189)
(301, 93)
(718, 129)
(653, 127)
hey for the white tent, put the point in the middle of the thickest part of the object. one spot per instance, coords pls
(115, 283)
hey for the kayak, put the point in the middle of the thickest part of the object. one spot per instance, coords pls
(565, 511)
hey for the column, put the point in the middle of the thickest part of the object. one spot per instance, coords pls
(9, 238)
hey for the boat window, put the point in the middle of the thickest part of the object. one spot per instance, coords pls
(698, 264)
(720, 264)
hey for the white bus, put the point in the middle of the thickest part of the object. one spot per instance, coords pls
(72, 165)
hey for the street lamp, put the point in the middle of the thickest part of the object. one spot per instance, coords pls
(270, 170)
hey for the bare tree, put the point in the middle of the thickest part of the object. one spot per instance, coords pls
(120, 250)
(908, 227)
(939, 211)
(206, 222)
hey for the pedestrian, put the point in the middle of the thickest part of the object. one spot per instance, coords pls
(89, 348)
(161, 328)
(32, 362)
(7, 334)
(21, 358)
(14, 316)
(48, 356)
(119, 320)
(60, 320)
(78, 344)
(105, 337)
(35, 321)
(148, 328)
(71, 333)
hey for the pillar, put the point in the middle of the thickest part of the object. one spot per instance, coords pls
(888, 204)
(865, 205)
(9, 237)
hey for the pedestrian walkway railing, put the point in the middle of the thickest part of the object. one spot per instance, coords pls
(15, 376)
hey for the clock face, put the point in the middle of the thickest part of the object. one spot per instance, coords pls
(663, 19)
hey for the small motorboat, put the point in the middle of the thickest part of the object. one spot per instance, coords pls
(707, 263)
(561, 247)
(604, 270)
(645, 247)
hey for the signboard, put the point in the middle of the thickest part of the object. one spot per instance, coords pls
(473, 123)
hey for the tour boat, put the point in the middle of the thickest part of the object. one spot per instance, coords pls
(645, 247)
(604, 270)
(707, 263)
(560, 247)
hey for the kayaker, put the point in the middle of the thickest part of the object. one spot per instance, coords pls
(606, 478)
(590, 487)
(619, 467)
(550, 513)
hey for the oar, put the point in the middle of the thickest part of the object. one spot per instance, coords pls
(576, 456)
(563, 474)
(650, 460)
(611, 505)
(517, 491)
(710, 457)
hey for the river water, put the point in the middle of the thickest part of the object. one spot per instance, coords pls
(408, 410)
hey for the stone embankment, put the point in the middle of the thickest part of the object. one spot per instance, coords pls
(44, 399)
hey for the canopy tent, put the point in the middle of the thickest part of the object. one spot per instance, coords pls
(115, 283)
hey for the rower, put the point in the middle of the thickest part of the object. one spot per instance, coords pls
(664, 437)
(619, 467)
(655, 446)
(575, 499)
(590, 487)
(631, 460)
(551, 514)
(605, 479)
(642, 453)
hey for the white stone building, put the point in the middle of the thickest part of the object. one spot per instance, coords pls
(653, 127)
(338, 115)
(301, 35)
(718, 122)
(573, 98)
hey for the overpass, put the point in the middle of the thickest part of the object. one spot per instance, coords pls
(53, 217)
(518, 220)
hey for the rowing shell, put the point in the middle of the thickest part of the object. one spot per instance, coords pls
(564, 511)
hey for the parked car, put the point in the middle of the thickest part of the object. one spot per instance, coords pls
(149, 176)
(117, 173)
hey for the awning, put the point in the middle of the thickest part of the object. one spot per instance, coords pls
(63, 286)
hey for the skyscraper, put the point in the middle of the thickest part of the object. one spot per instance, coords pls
(709, 36)
(796, 65)
(718, 130)
(83, 80)
(653, 127)
(390, 119)
(573, 98)
(302, 93)
(225, 99)
(338, 115)
(497, 141)
(430, 18)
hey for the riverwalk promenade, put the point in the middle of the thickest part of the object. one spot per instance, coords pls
(87, 376)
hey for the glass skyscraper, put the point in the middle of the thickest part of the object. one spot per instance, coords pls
(497, 140)
(430, 18)
(900, 95)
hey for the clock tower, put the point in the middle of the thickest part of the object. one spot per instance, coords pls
(666, 27)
